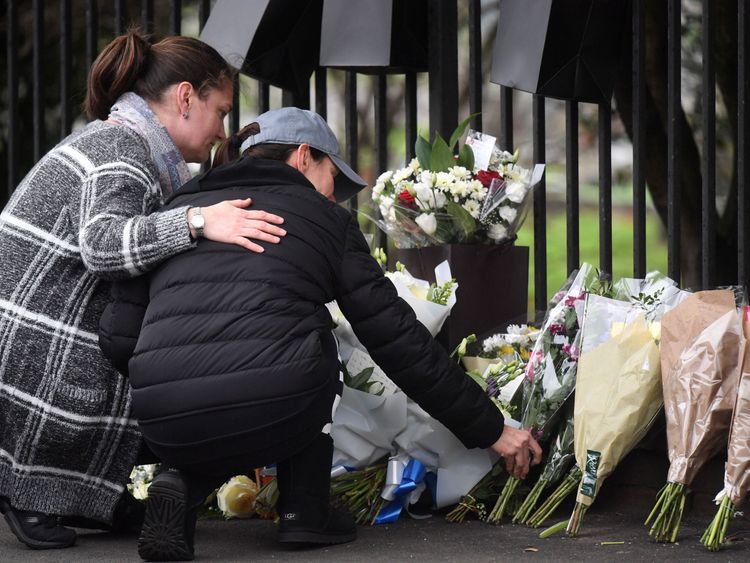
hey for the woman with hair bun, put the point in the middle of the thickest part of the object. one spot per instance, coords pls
(82, 217)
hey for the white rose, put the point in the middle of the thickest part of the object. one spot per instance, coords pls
(515, 191)
(427, 222)
(508, 213)
(424, 197)
(236, 497)
(384, 177)
(472, 207)
(497, 232)
(440, 200)
(428, 198)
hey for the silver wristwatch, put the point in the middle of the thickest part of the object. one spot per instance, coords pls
(197, 222)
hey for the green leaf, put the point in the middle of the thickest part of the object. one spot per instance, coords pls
(477, 379)
(462, 218)
(466, 158)
(456, 135)
(423, 150)
(442, 156)
(359, 380)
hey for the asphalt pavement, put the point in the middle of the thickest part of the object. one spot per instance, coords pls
(608, 534)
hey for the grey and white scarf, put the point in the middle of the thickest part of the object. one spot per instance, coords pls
(133, 111)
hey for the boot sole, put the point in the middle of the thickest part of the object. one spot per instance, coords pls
(163, 532)
(17, 529)
(310, 536)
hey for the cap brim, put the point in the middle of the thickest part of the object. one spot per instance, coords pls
(347, 183)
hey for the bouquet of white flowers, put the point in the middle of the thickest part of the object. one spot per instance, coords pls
(441, 199)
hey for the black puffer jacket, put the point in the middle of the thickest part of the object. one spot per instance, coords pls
(227, 329)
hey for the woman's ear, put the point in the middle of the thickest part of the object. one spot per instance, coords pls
(184, 93)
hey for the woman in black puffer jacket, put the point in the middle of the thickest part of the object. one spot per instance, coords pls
(236, 365)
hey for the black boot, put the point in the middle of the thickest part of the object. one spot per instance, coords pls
(169, 525)
(304, 493)
(37, 530)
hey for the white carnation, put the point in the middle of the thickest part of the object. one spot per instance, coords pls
(508, 213)
(497, 232)
(515, 191)
(427, 222)
(414, 165)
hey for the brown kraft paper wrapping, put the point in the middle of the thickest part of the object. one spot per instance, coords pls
(737, 473)
(701, 353)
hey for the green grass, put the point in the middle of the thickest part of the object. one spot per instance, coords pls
(622, 246)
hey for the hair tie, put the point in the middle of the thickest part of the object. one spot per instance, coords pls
(236, 142)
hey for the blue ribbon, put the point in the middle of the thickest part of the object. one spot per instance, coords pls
(414, 474)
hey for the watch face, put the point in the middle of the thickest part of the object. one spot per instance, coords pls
(198, 221)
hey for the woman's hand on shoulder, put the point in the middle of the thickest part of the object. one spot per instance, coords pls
(231, 222)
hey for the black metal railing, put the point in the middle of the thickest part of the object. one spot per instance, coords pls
(91, 25)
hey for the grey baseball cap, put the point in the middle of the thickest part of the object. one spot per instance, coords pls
(294, 126)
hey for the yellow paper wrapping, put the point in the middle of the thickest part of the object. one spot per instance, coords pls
(737, 473)
(618, 394)
(701, 353)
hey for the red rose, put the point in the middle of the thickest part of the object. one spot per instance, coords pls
(407, 199)
(486, 177)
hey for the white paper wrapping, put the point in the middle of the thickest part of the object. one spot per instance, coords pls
(368, 428)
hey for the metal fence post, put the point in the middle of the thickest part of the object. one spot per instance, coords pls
(443, 66)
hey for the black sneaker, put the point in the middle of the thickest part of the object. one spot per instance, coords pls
(169, 525)
(37, 530)
(338, 527)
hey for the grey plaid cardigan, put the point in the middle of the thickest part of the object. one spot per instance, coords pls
(81, 217)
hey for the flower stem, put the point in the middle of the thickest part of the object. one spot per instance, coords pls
(562, 492)
(468, 504)
(574, 524)
(715, 534)
(524, 511)
(502, 501)
(667, 512)
(552, 530)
